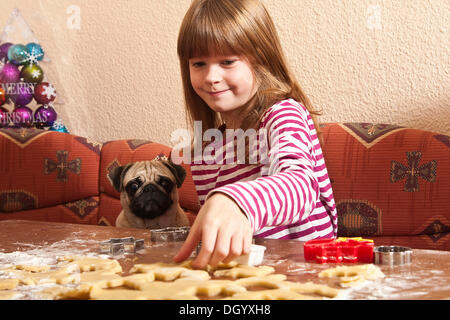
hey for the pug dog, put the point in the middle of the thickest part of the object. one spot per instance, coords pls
(149, 194)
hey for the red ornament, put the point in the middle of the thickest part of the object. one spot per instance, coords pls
(2, 95)
(44, 93)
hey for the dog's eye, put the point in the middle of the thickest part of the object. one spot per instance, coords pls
(131, 188)
(167, 184)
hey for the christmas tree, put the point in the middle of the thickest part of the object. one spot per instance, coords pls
(27, 97)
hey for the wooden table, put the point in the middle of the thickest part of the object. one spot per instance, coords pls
(427, 277)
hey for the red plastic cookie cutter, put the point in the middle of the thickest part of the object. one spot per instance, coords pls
(340, 250)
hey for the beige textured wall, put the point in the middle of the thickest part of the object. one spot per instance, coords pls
(359, 60)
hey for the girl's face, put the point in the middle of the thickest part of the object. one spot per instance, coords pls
(225, 83)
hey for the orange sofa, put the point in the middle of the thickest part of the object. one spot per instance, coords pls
(391, 184)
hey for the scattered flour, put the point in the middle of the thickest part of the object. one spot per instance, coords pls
(45, 254)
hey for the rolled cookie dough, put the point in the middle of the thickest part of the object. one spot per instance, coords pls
(278, 281)
(275, 294)
(8, 284)
(7, 294)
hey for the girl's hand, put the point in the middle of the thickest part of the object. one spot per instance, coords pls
(224, 230)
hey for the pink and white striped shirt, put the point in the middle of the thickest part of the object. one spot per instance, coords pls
(287, 197)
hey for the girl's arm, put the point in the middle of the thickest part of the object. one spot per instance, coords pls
(290, 190)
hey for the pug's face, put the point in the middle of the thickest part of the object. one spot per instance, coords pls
(147, 186)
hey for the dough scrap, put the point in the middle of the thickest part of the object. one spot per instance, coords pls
(350, 276)
(244, 271)
(276, 294)
(7, 294)
(129, 294)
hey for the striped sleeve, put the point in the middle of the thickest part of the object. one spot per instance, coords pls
(290, 190)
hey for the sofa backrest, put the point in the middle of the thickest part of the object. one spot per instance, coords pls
(42, 169)
(389, 180)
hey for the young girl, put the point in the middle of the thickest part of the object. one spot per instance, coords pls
(234, 73)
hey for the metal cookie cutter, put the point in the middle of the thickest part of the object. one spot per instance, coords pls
(169, 234)
(392, 255)
(116, 246)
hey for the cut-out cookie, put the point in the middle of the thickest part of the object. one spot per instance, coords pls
(271, 281)
(132, 280)
(169, 272)
(54, 293)
(97, 279)
(63, 275)
(221, 265)
(94, 278)
(93, 263)
(244, 271)
(208, 288)
(310, 287)
(350, 276)
(194, 274)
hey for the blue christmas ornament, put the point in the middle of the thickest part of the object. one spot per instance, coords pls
(17, 54)
(34, 53)
(59, 126)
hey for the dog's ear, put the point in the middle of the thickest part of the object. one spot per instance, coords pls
(116, 176)
(178, 171)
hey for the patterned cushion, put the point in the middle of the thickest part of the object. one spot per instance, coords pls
(84, 211)
(389, 181)
(42, 169)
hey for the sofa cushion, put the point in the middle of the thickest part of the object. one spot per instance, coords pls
(389, 180)
(42, 169)
(83, 211)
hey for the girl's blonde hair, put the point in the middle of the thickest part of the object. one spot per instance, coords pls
(244, 28)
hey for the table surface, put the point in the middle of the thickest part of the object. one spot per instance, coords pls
(427, 277)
